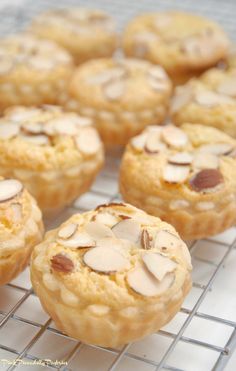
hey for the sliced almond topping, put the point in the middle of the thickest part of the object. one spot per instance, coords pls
(139, 141)
(143, 282)
(67, 231)
(158, 73)
(218, 149)
(98, 230)
(114, 90)
(228, 88)
(175, 173)
(165, 240)
(78, 240)
(127, 229)
(8, 131)
(146, 239)
(206, 180)
(88, 141)
(62, 263)
(158, 264)
(154, 144)
(107, 76)
(38, 140)
(158, 85)
(17, 212)
(182, 97)
(61, 125)
(9, 188)
(106, 260)
(106, 218)
(33, 128)
(204, 160)
(211, 99)
(174, 137)
(181, 158)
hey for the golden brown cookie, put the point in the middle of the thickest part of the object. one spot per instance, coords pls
(55, 154)
(111, 275)
(21, 228)
(32, 71)
(186, 176)
(122, 96)
(183, 43)
(85, 33)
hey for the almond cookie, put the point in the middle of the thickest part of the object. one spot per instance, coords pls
(21, 228)
(186, 176)
(122, 96)
(111, 275)
(85, 33)
(210, 100)
(32, 71)
(184, 44)
(55, 154)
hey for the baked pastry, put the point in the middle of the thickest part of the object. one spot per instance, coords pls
(55, 154)
(184, 44)
(32, 71)
(85, 33)
(210, 100)
(185, 176)
(21, 228)
(122, 96)
(111, 275)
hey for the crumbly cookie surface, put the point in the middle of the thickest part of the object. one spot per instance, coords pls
(46, 138)
(84, 33)
(210, 100)
(178, 41)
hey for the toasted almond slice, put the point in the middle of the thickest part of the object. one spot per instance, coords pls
(174, 137)
(228, 87)
(127, 229)
(181, 98)
(158, 85)
(8, 130)
(146, 239)
(61, 125)
(206, 180)
(139, 141)
(33, 128)
(106, 218)
(17, 212)
(154, 144)
(38, 140)
(143, 282)
(158, 264)
(114, 90)
(175, 173)
(204, 160)
(211, 99)
(9, 188)
(88, 141)
(107, 76)
(78, 240)
(157, 73)
(41, 63)
(98, 230)
(165, 240)
(106, 260)
(67, 231)
(181, 158)
(218, 149)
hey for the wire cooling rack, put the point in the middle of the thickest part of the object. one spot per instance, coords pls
(201, 337)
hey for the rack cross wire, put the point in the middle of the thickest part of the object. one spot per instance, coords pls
(202, 336)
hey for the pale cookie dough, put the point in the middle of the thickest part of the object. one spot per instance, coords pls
(183, 43)
(85, 33)
(32, 71)
(112, 275)
(122, 96)
(210, 100)
(21, 228)
(185, 176)
(55, 154)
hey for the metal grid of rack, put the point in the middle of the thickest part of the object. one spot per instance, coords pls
(201, 337)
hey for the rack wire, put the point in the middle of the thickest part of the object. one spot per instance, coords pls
(202, 336)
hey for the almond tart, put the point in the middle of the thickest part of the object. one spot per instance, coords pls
(21, 228)
(111, 275)
(55, 154)
(186, 176)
